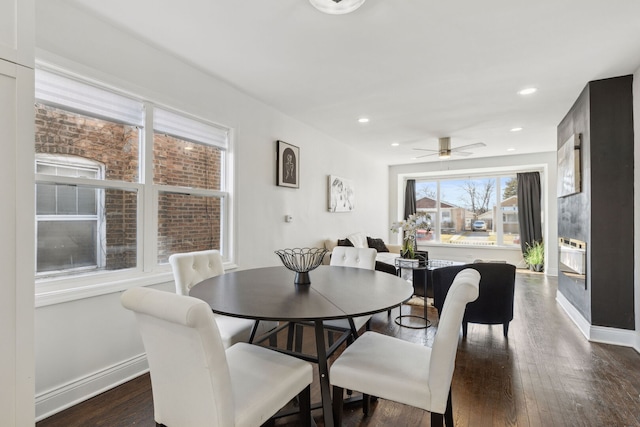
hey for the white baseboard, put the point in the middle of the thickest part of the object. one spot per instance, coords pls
(577, 317)
(615, 336)
(72, 393)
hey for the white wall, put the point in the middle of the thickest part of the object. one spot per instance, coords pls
(86, 345)
(16, 213)
(545, 163)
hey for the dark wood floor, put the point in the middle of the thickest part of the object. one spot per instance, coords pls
(544, 374)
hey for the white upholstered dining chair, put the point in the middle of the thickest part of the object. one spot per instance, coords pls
(405, 372)
(346, 256)
(196, 382)
(341, 256)
(190, 268)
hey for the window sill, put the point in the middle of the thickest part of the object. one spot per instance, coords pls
(58, 292)
(62, 290)
(466, 246)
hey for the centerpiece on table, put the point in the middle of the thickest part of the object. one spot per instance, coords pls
(302, 261)
(409, 228)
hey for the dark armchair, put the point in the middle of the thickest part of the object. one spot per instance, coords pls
(494, 305)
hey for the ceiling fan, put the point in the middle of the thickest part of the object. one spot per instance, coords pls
(336, 7)
(445, 151)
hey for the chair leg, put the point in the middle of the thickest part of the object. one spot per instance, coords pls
(337, 405)
(448, 413)
(290, 330)
(505, 328)
(437, 420)
(298, 340)
(464, 329)
(305, 406)
(366, 404)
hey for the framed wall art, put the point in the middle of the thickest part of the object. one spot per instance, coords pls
(341, 194)
(288, 165)
(569, 167)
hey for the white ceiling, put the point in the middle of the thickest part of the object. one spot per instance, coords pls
(419, 69)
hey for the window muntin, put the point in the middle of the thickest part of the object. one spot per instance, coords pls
(456, 203)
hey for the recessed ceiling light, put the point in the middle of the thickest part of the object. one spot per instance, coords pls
(528, 91)
(511, 149)
(363, 120)
(516, 129)
(395, 144)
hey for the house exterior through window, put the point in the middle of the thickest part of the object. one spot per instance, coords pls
(456, 204)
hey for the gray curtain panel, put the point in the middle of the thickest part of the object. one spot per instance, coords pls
(410, 198)
(529, 209)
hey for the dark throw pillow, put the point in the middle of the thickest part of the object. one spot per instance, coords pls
(377, 244)
(344, 242)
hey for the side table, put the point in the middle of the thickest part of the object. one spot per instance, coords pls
(413, 265)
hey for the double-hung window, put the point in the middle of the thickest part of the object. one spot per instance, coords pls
(121, 183)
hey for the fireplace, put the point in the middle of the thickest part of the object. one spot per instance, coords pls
(572, 255)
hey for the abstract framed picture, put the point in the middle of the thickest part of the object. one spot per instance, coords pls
(341, 194)
(288, 165)
(569, 167)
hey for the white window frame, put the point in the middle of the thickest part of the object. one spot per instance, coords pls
(437, 178)
(148, 271)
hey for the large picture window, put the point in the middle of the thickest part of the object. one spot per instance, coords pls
(99, 200)
(481, 211)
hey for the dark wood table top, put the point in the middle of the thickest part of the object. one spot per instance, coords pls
(334, 293)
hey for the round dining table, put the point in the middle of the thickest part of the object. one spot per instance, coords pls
(269, 293)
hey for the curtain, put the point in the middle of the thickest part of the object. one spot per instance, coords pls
(529, 215)
(410, 198)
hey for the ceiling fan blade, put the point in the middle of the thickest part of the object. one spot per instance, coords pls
(425, 149)
(427, 155)
(477, 144)
(461, 153)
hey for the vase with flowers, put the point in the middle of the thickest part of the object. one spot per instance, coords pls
(409, 228)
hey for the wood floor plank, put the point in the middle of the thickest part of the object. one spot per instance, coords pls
(544, 374)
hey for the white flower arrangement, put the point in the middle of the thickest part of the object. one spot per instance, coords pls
(409, 227)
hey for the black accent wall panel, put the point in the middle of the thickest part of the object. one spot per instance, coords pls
(602, 213)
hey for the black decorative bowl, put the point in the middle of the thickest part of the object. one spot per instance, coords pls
(302, 261)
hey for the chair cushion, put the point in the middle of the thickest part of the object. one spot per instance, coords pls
(236, 329)
(386, 367)
(263, 381)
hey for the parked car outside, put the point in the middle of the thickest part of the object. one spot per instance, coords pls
(479, 225)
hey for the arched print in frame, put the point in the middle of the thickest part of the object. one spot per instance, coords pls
(288, 165)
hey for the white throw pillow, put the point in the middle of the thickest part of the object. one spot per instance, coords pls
(359, 240)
